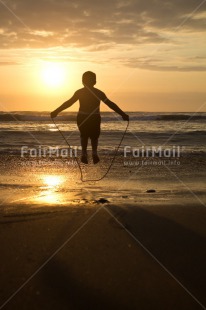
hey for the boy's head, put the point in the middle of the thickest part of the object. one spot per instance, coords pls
(89, 78)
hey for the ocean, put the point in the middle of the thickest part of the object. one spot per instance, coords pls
(37, 168)
(146, 129)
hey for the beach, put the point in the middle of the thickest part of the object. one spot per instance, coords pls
(103, 245)
(134, 240)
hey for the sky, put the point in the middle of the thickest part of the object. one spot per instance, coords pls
(148, 55)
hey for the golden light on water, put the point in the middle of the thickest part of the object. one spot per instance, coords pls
(50, 193)
(53, 181)
(50, 197)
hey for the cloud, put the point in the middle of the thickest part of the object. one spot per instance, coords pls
(171, 29)
(89, 23)
(184, 65)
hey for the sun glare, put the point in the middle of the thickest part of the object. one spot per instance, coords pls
(50, 193)
(53, 74)
(52, 180)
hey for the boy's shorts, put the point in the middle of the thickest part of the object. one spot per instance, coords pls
(89, 125)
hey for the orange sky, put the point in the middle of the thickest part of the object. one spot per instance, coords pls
(147, 56)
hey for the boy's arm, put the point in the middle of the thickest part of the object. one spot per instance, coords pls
(115, 108)
(65, 105)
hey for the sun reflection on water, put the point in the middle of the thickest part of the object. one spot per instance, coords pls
(52, 127)
(51, 193)
(53, 181)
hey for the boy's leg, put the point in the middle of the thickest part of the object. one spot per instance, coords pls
(84, 143)
(94, 143)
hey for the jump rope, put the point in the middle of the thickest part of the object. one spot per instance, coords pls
(78, 164)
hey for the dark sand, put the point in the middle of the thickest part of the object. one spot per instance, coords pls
(138, 251)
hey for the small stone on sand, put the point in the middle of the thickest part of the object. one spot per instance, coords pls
(102, 200)
(151, 191)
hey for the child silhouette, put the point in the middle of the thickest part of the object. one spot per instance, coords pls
(88, 117)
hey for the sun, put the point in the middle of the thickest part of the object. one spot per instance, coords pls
(53, 74)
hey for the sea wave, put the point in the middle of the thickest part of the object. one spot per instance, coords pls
(168, 117)
(107, 150)
(180, 117)
(196, 132)
(14, 117)
(107, 134)
(106, 116)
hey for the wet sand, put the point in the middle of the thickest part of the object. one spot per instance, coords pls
(62, 247)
